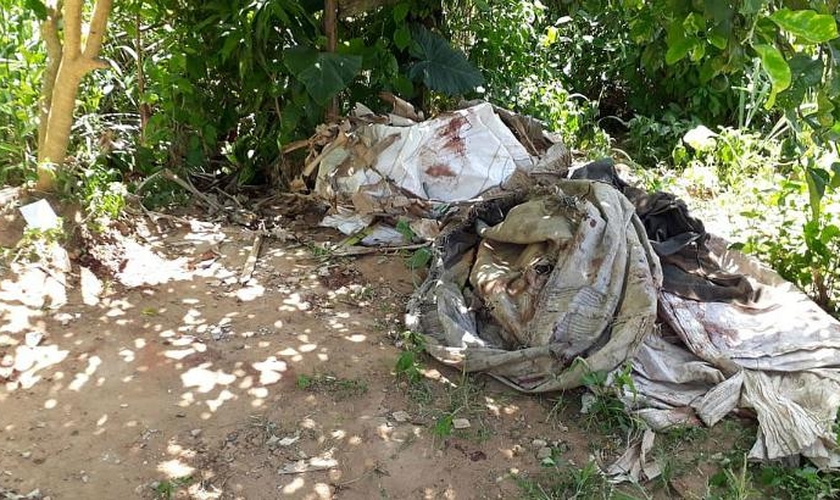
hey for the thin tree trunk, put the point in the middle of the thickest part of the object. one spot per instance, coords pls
(331, 30)
(59, 93)
(49, 32)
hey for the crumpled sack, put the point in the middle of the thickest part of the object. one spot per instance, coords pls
(540, 288)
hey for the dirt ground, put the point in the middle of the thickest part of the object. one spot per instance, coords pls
(193, 383)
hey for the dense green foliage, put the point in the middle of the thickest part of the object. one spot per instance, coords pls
(221, 87)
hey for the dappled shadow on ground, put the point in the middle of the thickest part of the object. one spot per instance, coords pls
(195, 379)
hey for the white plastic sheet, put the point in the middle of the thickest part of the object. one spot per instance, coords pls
(456, 156)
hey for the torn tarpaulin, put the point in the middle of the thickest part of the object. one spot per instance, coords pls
(527, 284)
(537, 308)
(386, 168)
(453, 157)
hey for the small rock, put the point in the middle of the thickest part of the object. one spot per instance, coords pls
(85, 478)
(288, 440)
(26, 454)
(180, 414)
(32, 339)
(195, 433)
(63, 318)
(400, 436)
(400, 416)
(516, 450)
(461, 423)
(586, 402)
(538, 443)
(544, 453)
(124, 405)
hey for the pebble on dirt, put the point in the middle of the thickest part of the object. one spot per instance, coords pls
(461, 423)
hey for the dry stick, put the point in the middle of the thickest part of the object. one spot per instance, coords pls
(357, 250)
(251, 262)
(294, 146)
(233, 198)
(169, 175)
(338, 142)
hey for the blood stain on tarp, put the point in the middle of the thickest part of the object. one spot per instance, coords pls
(440, 170)
(451, 135)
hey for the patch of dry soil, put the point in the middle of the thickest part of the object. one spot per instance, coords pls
(205, 387)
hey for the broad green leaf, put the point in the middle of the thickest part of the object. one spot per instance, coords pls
(806, 73)
(697, 52)
(817, 179)
(806, 24)
(402, 37)
(400, 12)
(718, 10)
(38, 7)
(707, 71)
(693, 23)
(440, 66)
(678, 50)
(324, 74)
(829, 234)
(835, 178)
(777, 68)
(679, 45)
(719, 37)
(550, 36)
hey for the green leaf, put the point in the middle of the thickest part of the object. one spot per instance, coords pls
(752, 6)
(678, 50)
(718, 10)
(817, 179)
(324, 74)
(835, 179)
(806, 24)
(693, 23)
(806, 73)
(419, 259)
(440, 66)
(678, 44)
(777, 68)
(38, 7)
(697, 52)
(718, 37)
(402, 37)
(400, 12)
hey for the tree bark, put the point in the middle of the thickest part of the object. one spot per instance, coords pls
(59, 91)
(331, 30)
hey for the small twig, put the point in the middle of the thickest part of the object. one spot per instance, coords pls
(146, 181)
(356, 250)
(294, 146)
(233, 198)
(251, 262)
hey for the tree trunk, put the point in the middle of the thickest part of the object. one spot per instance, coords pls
(62, 79)
(331, 30)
